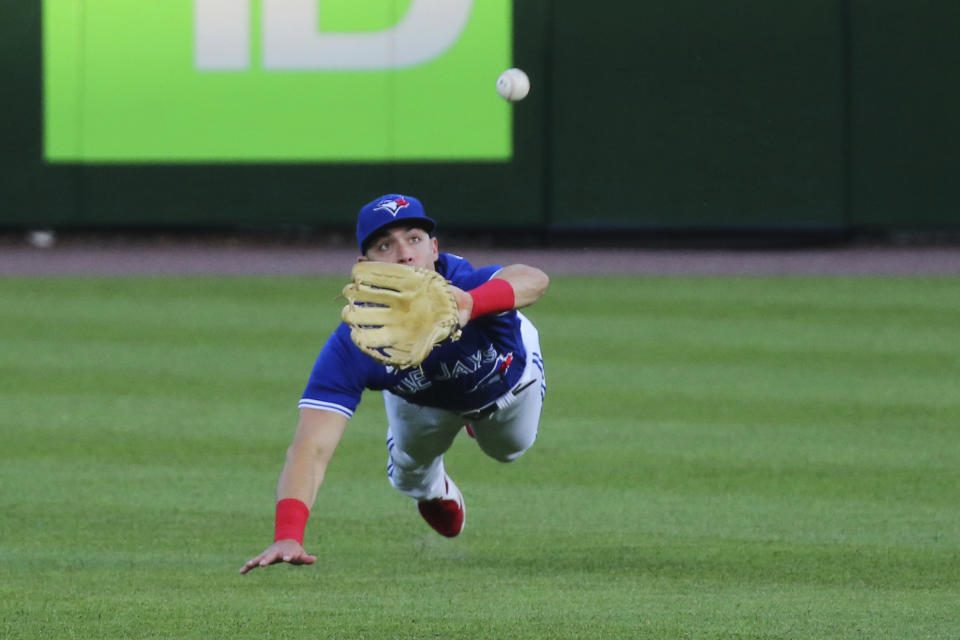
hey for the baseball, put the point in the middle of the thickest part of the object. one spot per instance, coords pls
(513, 85)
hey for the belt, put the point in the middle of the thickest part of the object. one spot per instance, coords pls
(487, 410)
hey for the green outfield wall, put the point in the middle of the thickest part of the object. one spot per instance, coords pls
(681, 116)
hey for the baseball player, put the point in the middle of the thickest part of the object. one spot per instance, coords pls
(490, 381)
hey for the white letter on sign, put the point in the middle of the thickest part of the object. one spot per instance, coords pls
(291, 40)
(221, 33)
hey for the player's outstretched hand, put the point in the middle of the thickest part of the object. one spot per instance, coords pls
(281, 551)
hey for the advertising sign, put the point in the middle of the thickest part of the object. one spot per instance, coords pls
(208, 81)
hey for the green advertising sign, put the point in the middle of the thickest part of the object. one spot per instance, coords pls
(275, 80)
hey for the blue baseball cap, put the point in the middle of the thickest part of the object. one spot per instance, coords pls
(387, 210)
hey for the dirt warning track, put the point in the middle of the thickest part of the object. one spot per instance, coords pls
(245, 258)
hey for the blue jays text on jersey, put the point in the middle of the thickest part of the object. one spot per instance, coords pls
(484, 364)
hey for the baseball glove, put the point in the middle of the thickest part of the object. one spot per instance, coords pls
(397, 313)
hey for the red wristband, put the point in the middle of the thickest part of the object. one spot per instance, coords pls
(291, 520)
(493, 296)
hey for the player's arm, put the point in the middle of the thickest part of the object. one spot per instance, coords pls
(529, 283)
(317, 436)
(513, 287)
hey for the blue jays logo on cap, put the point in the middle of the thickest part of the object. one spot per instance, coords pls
(393, 205)
(387, 210)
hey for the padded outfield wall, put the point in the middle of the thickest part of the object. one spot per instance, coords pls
(681, 115)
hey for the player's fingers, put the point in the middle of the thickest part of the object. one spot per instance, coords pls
(304, 558)
(298, 556)
(266, 558)
(252, 563)
(270, 557)
(282, 551)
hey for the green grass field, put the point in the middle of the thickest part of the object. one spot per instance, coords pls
(728, 458)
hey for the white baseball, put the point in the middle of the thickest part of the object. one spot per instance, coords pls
(513, 85)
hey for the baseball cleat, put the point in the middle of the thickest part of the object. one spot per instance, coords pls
(446, 515)
(470, 431)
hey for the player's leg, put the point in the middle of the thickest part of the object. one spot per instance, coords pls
(512, 429)
(417, 438)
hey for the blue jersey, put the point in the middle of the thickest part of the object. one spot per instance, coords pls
(481, 366)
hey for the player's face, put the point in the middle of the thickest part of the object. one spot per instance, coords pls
(405, 245)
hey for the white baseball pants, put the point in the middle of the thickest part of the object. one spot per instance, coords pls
(417, 436)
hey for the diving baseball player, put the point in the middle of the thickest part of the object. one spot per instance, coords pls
(491, 380)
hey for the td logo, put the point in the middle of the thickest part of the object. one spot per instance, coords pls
(291, 40)
(201, 81)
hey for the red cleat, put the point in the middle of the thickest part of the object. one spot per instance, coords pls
(446, 515)
(470, 432)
